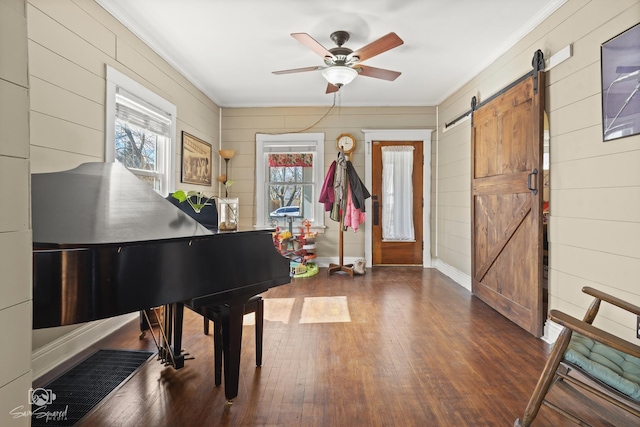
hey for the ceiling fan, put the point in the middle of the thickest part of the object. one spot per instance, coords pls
(344, 64)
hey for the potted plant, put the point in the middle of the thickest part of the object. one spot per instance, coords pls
(200, 199)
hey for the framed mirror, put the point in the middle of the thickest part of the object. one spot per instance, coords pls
(620, 62)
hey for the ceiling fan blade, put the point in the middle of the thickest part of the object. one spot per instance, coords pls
(331, 88)
(377, 47)
(312, 44)
(297, 70)
(378, 73)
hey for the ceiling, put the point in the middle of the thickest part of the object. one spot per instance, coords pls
(229, 48)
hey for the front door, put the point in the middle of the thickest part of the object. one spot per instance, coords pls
(397, 205)
(506, 178)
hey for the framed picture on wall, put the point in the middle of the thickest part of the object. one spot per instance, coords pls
(196, 160)
(620, 62)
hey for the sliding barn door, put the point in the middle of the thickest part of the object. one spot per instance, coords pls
(506, 175)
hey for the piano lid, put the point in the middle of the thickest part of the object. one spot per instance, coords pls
(102, 203)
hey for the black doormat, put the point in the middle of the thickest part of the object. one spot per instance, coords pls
(71, 396)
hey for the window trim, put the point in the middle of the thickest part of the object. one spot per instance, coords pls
(117, 79)
(289, 139)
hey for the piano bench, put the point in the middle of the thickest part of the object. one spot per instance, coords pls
(255, 305)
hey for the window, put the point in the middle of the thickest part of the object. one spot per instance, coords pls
(140, 131)
(289, 177)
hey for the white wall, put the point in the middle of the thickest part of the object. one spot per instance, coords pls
(595, 186)
(70, 43)
(240, 125)
(594, 228)
(15, 222)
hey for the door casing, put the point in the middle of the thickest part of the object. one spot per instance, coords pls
(423, 135)
(397, 252)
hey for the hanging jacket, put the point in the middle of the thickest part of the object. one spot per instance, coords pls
(339, 182)
(353, 216)
(335, 212)
(327, 194)
(358, 191)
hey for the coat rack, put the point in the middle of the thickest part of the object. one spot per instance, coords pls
(333, 268)
(341, 267)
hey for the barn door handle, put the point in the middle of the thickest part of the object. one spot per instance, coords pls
(534, 190)
(376, 207)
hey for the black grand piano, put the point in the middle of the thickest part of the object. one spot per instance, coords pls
(105, 244)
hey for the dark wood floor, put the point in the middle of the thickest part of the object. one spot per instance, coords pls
(412, 349)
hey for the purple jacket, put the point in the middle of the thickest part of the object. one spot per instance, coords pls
(327, 195)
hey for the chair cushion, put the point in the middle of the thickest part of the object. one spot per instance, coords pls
(614, 368)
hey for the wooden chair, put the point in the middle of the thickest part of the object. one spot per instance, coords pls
(255, 305)
(596, 378)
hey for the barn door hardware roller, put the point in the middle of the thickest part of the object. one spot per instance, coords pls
(538, 65)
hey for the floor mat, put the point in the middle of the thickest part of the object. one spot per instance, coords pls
(65, 400)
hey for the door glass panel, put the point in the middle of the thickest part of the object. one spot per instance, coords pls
(397, 193)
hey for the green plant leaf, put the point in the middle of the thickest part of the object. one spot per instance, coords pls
(180, 196)
(197, 206)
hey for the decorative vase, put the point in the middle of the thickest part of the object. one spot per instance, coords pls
(228, 214)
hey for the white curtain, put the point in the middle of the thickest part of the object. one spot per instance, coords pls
(397, 193)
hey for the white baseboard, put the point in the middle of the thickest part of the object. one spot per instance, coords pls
(53, 354)
(551, 332)
(458, 276)
(325, 261)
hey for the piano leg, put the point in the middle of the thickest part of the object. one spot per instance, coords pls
(168, 329)
(178, 314)
(164, 339)
(231, 347)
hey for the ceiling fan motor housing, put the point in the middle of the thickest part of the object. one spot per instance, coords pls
(341, 55)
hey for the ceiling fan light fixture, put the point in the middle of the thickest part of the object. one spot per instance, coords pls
(339, 75)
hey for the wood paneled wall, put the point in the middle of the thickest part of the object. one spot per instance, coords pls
(595, 186)
(15, 223)
(240, 125)
(70, 42)
(594, 228)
